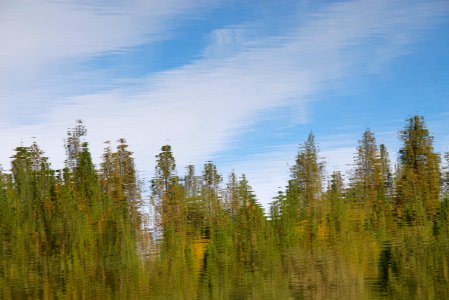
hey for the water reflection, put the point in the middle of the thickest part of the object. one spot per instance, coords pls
(78, 233)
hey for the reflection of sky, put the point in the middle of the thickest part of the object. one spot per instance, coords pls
(238, 82)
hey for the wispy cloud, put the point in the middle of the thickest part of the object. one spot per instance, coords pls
(202, 106)
(36, 33)
(45, 43)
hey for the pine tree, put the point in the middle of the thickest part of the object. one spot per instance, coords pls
(232, 200)
(366, 177)
(119, 180)
(168, 195)
(305, 187)
(250, 226)
(192, 182)
(211, 194)
(387, 190)
(418, 178)
(196, 210)
(86, 179)
(336, 197)
(371, 178)
(73, 144)
(164, 172)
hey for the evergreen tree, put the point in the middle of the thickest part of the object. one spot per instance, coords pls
(119, 180)
(86, 179)
(76, 232)
(387, 190)
(192, 182)
(73, 144)
(336, 197)
(250, 226)
(196, 209)
(305, 188)
(418, 178)
(367, 170)
(164, 172)
(232, 199)
(371, 183)
(168, 195)
(211, 194)
(130, 182)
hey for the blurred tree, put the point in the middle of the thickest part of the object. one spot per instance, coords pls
(418, 175)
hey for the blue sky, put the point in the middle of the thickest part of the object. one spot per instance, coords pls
(241, 83)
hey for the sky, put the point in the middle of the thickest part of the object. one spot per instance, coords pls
(239, 83)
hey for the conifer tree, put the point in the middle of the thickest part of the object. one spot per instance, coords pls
(196, 211)
(192, 182)
(211, 194)
(418, 178)
(250, 226)
(336, 197)
(367, 170)
(73, 144)
(119, 180)
(22, 174)
(86, 179)
(231, 196)
(387, 176)
(305, 188)
(168, 195)
(164, 172)
(370, 184)
(277, 218)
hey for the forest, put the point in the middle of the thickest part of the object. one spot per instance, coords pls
(380, 231)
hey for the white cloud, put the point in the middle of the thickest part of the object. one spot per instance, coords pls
(34, 33)
(44, 41)
(202, 106)
(225, 42)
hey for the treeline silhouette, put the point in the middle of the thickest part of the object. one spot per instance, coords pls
(81, 232)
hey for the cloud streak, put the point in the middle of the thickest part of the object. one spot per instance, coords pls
(202, 106)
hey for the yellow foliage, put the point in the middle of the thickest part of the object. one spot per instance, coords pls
(198, 249)
(322, 231)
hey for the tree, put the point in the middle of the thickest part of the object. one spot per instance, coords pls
(367, 170)
(387, 176)
(168, 195)
(232, 200)
(73, 144)
(372, 181)
(196, 209)
(250, 226)
(418, 175)
(192, 182)
(305, 187)
(336, 196)
(211, 193)
(164, 172)
(33, 180)
(119, 180)
(86, 179)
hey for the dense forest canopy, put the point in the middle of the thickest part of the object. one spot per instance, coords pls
(81, 232)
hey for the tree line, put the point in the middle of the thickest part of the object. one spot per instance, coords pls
(81, 232)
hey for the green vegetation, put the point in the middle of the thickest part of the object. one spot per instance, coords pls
(81, 232)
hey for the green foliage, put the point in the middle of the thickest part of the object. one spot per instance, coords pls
(307, 173)
(80, 232)
(371, 183)
(418, 178)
